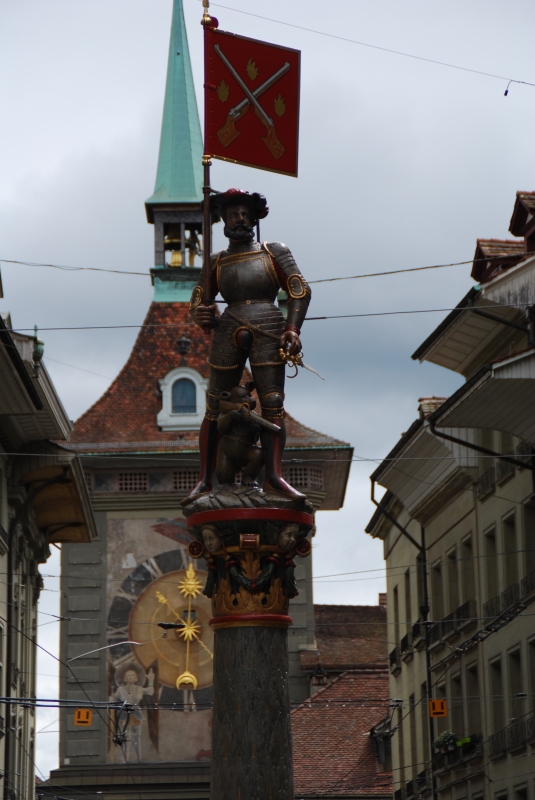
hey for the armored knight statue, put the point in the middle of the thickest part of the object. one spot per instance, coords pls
(249, 275)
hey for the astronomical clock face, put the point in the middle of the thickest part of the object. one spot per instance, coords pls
(162, 590)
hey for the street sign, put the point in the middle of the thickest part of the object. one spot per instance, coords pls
(83, 717)
(251, 102)
(438, 708)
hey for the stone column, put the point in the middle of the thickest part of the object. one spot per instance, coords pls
(251, 580)
(251, 733)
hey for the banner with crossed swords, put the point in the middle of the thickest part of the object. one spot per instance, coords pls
(251, 95)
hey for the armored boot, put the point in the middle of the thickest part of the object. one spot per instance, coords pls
(273, 446)
(208, 439)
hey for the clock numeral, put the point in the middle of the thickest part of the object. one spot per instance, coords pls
(152, 567)
(118, 633)
(126, 596)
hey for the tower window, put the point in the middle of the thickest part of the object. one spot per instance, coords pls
(184, 396)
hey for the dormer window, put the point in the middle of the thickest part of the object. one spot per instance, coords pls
(184, 397)
(183, 400)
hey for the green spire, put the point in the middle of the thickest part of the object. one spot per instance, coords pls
(179, 176)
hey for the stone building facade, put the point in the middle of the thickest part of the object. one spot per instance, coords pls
(458, 525)
(43, 502)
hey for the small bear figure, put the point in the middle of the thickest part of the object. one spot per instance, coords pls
(239, 428)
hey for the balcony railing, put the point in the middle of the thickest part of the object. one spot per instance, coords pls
(465, 614)
(510, 596)
(395, 659)
(524, 452)
(498, 744)
(492, 608)
(530, 728)
(435, 633)
(399, 794)
(422, 781)
(409, 789)
(504, 469)
(448, 625)
(516, 735)
(528, 584)
(458, 753)
(486, 483)
(406, 644)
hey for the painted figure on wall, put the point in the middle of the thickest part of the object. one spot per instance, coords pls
(249, 276)
(131, 679)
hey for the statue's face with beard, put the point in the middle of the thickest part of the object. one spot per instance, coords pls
(238, 224)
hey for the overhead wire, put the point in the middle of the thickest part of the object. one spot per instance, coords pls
(320, 280)
(375, 46)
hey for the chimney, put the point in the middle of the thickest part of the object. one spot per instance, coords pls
(382, 599)
(426, 405)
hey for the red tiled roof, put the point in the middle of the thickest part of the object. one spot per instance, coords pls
(127, 410)
(502, 253)
(333, 754)
(524, 207)
(347, 637)
(124, 418)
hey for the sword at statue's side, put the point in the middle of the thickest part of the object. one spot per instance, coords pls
(271, 140)
(229, 132)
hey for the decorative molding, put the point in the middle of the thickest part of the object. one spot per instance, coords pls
(168, 421)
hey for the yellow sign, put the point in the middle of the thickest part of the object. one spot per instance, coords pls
(438, 708)
(83, 717)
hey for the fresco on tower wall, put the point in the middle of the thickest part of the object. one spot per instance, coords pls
(167, 677)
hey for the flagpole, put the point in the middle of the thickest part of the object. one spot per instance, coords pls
(206, 162)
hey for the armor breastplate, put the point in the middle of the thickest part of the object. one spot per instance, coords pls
(247, 276)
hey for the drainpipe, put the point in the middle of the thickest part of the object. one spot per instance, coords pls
(8, 772)
(424, 611)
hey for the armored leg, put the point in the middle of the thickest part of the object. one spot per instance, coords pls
(269, 381)
(220, 380)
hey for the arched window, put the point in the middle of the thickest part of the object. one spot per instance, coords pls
(184, 397)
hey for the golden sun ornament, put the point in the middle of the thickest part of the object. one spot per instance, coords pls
(190, 586)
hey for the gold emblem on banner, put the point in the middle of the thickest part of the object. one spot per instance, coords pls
(223, 92)
(280, 105)
(252, 71)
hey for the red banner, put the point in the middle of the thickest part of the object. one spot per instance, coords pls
(251, 102)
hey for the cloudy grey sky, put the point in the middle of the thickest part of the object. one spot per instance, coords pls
(402, 163)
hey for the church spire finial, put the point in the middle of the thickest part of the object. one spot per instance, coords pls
(179, 175)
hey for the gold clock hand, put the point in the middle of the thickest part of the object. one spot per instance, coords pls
(164, 601)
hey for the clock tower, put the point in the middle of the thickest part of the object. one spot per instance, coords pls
(135, 590)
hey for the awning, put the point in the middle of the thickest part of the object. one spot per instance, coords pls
(463, 339)
(422, 469)
(62, 508)
(500, 397)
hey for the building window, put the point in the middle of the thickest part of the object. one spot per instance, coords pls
(496, 691)
(133, 482)
(491, 559)
(184, 397)
(185, 480)
(457, 716)
(467, 569)
(453, 581)
(473, 700)
(516, 686)
(510, 551)
(183, 391)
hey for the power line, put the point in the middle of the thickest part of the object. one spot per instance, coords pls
(320, 280)
(308, 319)
(375, 46)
